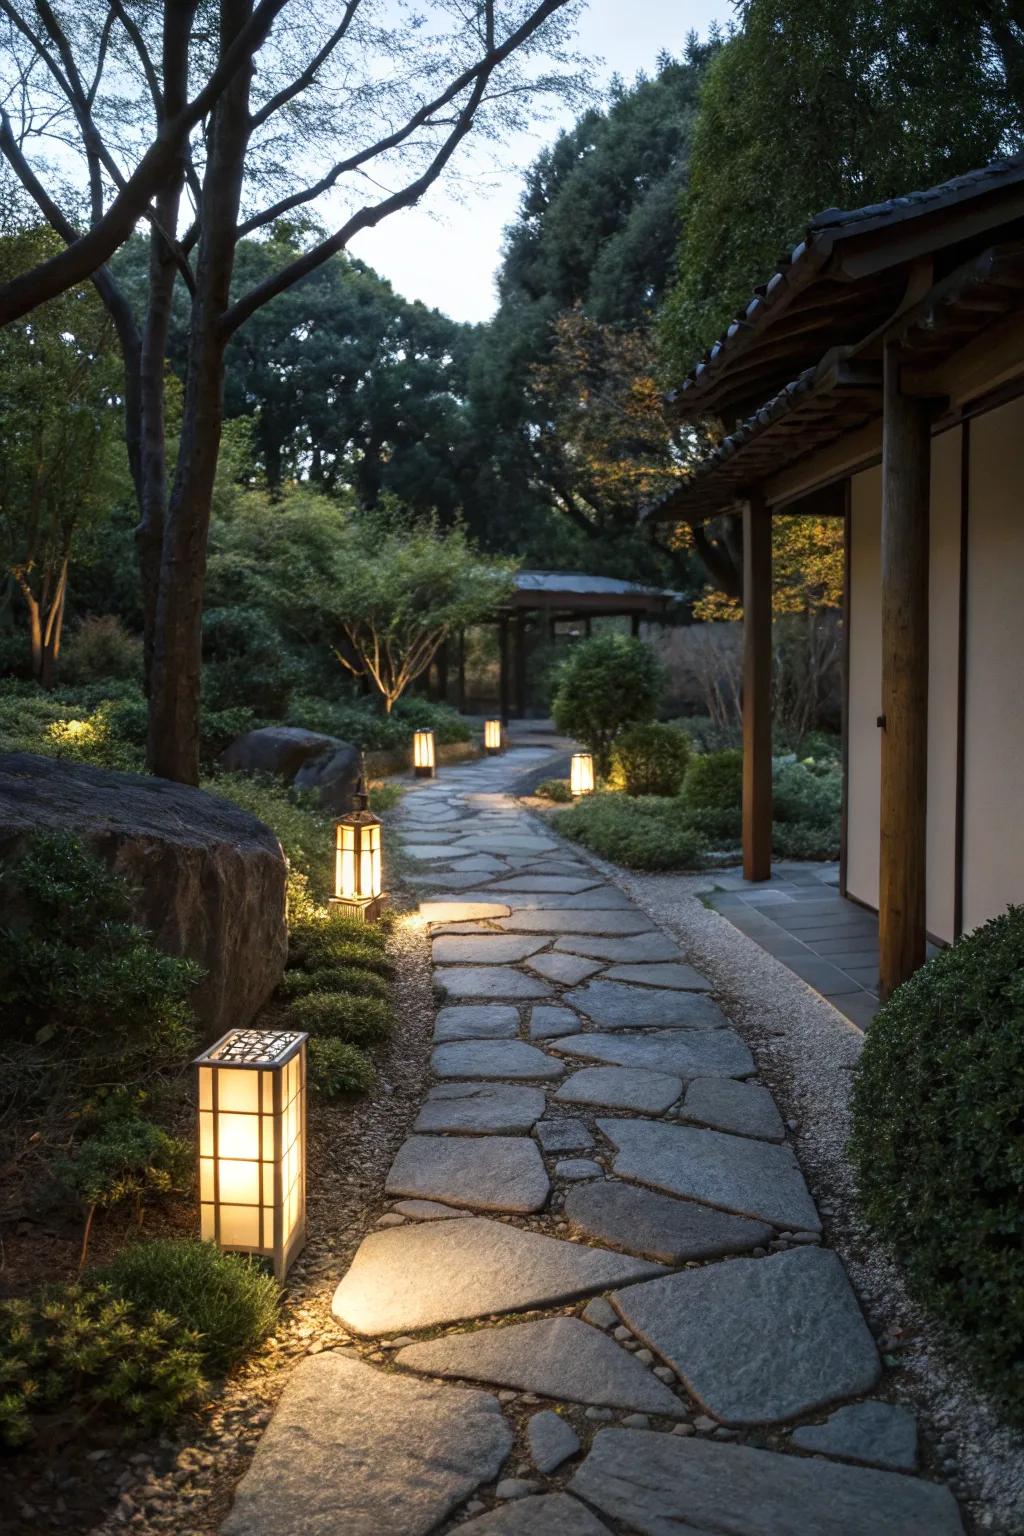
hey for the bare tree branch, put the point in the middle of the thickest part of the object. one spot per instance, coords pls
(308, 75)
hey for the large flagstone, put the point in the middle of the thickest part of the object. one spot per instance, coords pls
(667, 974)
(646, 1093)
(544, 883)
(495, 1058)
(577, 921)
(613, 1005)
(549, 1514)
(745, 1109)
(476, 1021)
(481, 1108)
(657, 1226)
(485, 949)
(686, 1053)
(634, 949)
(487, 1173)
(498, 981)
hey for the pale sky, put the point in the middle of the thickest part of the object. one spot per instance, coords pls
(446, 250)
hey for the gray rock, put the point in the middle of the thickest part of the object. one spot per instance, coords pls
(574, 1168)
(547, 1022)
(551, 1440)
(515, 1488)
(746, 1109)
(567, 970)
(683, 1053)
(563, 1135)
(361, 1451)
(600, 1312)
(476, 1021)
(648, 1093)
(613, 1005)
(877, 1434)
(643, 947)
(480, 1108)
(546, 884)
(751, 1178)
(682, 978)
(759, 1341)
(658, 1227)
(495, 1058)
(451, 1271)
(577, 921)
(427, 1210)
(558, 1357)
(553, 1514)
(489, 981)
(666, 1485)
(488, 1173)
(325, 765)
(485, 949)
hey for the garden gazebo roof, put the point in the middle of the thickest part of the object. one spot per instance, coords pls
(576, 592)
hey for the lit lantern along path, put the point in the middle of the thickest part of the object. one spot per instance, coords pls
(585, 1084)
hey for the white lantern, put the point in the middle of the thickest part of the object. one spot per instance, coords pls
(252, 1143)
(492, 736)
(357, 862)
(423, 757)
(581, 774)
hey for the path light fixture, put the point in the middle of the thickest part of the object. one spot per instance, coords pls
(581, 774)
(492, 737)
(252, 1143)
(424, 757)
(357, 861)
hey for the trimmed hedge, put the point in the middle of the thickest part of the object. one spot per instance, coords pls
(650, 832)
(650, 760)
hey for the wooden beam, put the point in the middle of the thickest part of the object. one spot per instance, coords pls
(906, 490)
(521, 665)
(757, 690)
(503, 680)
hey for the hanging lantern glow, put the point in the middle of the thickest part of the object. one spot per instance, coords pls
(357, 862)
(423, 757)
(492, 736)
(252, 1143)
(581, 774)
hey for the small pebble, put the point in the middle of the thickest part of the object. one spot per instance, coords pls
(683, 1429)
(622, 1333)
(515, 1488)
(600, 1312)
(636, 1421)
(600, 1414)
(645, 1356)
(703, 1425)
(664, 1373)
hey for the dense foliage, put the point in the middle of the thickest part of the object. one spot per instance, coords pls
(651, 832)
(604, 685)
(649, 760)
(938, 1141)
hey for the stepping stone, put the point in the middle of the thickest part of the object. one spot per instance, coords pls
(615, 1006)
(606, 898)
(547, 1022)
(426, 1210)
(563, 1135)
(480, 1108)
(489, 981)
(683, 978)
(539, 884)
(485, 949)
(551, 1440)
(556, 1357)
(648, 1093)
(476, 1021)
(578, 1168)
(445, 880)
(362, 1451)
(490, 1173)
(746, 1109)
(485, 863)
(433, 850)
(566, 969)
(495, 1058)
(878, 1434)
(752, 1178)
(459, 930)
(441, 911)
(658, 1227)
(642, 947)
(665, 1485)
(405, 1278)
(509, 842)
(577, 921)
(758, 1341)
(686, 1053)
(552, 1514)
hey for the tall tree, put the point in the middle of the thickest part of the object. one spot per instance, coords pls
(234, 114)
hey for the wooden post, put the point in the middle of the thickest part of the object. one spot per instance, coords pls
(521, 665)
(757, 691)
(906, 491)
(441, 670)
(503, 690)
(634, 625)
(462, 671)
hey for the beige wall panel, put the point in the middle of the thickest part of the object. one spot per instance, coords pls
(993, 872)
(943, 666)
(865, 704)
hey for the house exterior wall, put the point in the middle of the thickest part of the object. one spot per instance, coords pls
(863, 756)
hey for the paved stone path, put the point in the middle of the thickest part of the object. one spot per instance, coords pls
(598, 1230)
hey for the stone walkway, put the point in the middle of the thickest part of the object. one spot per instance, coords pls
(599, 1233)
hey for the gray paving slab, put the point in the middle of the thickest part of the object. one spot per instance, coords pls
(575, 1169)
(551, 1439)
(484, 949)
(744, 1109)
(498, 981)
(480, 1108)
(476, 1021)
(434, 850)
(566, 970)
(758, 1341)
(419, 1276)
(578, 921)
(634, 949)
(445, 880)
(499, 843)
(682, 978)
(559, 1357)
(605, 898)
(657, 1226)
(548, 1021)
(686, 1053)
(646, 1093)
(495, 1059)
(550, 1514)
(427, 1210)
(613, 1005)
(487, 1173)
(563, 1135)
(875, 1434)
(545, 883)
(460, 909)
(751, 1178)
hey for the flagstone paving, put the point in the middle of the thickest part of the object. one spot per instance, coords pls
(602, 1245)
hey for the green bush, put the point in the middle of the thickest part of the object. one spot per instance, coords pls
(649, 760)
(648, 833)
(99, 649)
(707, 735)
(322, 941)
(245, 662)
(713, 794)
(363, 725)
(556, 790)
(938, 1141)
(604, 685)
(79, 1353)
(302, 828)
(356, 1020)
(228, 1302)
(343, 978)
(807, 802)
(127, 1157)
(337, 1070)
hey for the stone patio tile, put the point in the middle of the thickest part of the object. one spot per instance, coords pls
(485, 949)
(565, 969)
(411, 1277)
(559, 1357)
(480, 1108)
(578, 921)
(751, 1178)
(745, 1109)
(859, 1007)
(361, 1451)
(548, 1022)
(665, 1485)
(682, 978)
(853, 951)
(646, 1093)
(494, 1059)
(875, 1434)
(476, 1021)
(863, 975)
(820, 974)
(551, 1440)
(613, 1005)
(488, 1173)
(685, 1053)
(640, 947)
(563, 1135)
(657, 1226)
(488, 981)
(545, 883)
(782, 945)
(758, 1341)
(552, 1514)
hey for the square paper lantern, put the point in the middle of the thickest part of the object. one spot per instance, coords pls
(252, 1143)
(581, 774)
(357, 867)
(492, 736)
(423, 758)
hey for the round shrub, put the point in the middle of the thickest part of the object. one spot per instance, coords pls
(938, 1140)
(713, 793)
(337, 1070)
(317, 943)
(650, 760)
(604, 685)
(356, 1020)
(229, 1301)
(101, 648)
(344, 978)
(556, 790)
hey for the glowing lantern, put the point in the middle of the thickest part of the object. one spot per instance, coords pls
(357, 868)
(252, 1143)
(492, 736)
(581, 774)
(423, 754)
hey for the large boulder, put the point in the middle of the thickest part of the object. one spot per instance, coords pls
(210, 878)
(325, 765)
